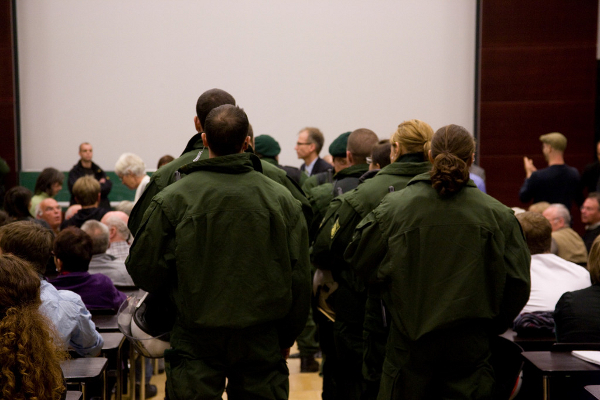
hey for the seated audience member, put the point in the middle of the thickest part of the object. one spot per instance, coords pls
(539, 207)
(103, 263)
(72, 210)
(569, 244)
(591, 174)
(125, 206)
(73, 322)
(48, 184)
(72, 255)
(86, 191)
(590, 216)
(551, 276)
(164, 160)
(16, 203)
(119, 236)
(131, 169)
(29, 355)
(577, 314)
(4, 218)
(49, 210)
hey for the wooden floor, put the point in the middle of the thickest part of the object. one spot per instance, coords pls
(306, 386)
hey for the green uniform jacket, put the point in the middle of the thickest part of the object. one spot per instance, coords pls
(457, 270)
(320, 196)
(230, 247)
(346, 211)
(447, 258)
(167, 174)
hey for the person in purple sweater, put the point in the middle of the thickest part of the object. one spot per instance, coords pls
(72, 255)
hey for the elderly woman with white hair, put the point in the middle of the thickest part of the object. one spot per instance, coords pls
(131, 169)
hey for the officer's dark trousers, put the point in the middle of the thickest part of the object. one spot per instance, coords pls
(250, 359)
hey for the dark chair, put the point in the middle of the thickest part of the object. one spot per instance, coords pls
(507, 363)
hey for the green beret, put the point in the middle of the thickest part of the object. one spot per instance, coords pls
(338, 146)
(266, 146)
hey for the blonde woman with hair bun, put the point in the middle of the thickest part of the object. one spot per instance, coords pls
(410, 145)
(454, 270)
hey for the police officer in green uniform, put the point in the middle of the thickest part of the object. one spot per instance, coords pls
(194, 151)
(268, 149)
(457, 268)
(410, 146)
(335, 342)
(356, 146)
(229, 247)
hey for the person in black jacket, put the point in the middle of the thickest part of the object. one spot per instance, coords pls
(85, 166)
(309, 145)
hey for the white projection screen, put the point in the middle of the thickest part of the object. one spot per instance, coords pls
(125, 75)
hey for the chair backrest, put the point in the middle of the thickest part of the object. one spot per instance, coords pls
(507, 363)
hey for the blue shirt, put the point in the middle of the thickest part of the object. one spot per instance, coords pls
(72, 320)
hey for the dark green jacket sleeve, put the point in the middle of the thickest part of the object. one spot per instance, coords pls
(368, 248)
(517, 261)
(293, 324)
(151, 261)
(140, 207)
(321, 255)
(4, 168)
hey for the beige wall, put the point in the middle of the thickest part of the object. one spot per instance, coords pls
(125, 75)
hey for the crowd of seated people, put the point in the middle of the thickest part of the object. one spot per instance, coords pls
(373, 190)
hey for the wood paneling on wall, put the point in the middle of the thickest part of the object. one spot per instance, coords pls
(537, 74)
(7, 93)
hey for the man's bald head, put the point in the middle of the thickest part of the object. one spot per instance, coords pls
(119, 214)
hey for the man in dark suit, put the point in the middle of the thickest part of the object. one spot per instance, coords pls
(309, 145)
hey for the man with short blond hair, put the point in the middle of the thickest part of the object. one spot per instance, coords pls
(86, 192)
(558, 183)
(309, 145)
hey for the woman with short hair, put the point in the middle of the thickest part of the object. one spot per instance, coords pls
(456, 269)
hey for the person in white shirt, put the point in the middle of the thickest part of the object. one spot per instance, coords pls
(131, 169)
(551, 276)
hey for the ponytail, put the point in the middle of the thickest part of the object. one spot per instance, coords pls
(451, 148)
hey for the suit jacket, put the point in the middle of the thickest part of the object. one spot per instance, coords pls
(320, 166)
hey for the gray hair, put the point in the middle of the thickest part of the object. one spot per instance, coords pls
(562, 212)
(126, 206)
(119, 225)
(99, 234)
(130, 163)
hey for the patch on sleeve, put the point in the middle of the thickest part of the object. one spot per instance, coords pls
(335, 228)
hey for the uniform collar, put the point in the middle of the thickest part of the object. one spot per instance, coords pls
(230, 164)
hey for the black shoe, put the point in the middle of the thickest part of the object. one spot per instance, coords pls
(309, 364)
(151, 390)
